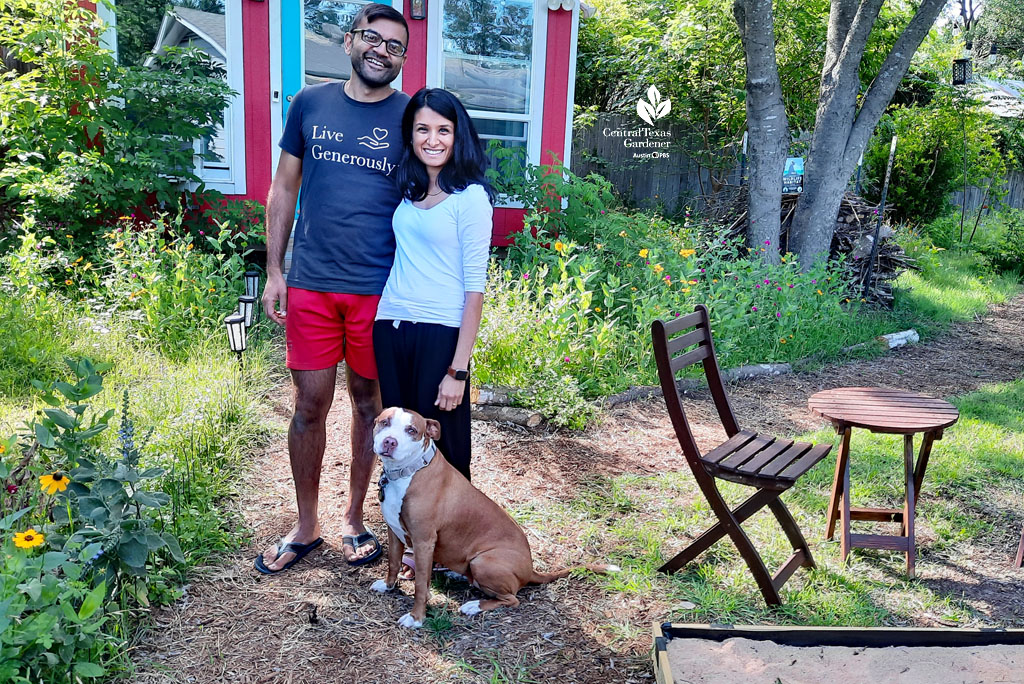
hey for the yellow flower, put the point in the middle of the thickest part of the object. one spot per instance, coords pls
(629, 265)
(78, 259)
(644, 253)
(559, 246)
(633, 289)
(687, 252)
(119, 244)
(189, 248)
(124, 218)
(714, 280)
(88, 265)
(782, 340)
(70, 237)
(599, 245)
(28, 538)
(820, 292)
(212, 289)
(598, 309)
(783, 259)
(658, 268)
(693, 282)
(622, 233)
(53, 483)
(686, 289)
(67, 282)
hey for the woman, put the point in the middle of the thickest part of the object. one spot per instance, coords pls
(429, 313)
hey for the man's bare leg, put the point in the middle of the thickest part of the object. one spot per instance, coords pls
(307, 438)
(364, 394)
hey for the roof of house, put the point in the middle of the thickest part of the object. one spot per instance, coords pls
(1003, 98)
(184, 24)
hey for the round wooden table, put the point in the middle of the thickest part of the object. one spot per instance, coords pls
(892, 412)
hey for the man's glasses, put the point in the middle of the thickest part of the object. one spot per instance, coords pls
(372, 38)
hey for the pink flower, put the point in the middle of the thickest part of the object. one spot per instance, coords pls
(814, 282)
(702, 270)
(757, 287)
(791, 284)
(753, 308)
(766, 281)
(778, 315)
(526, 276)
(566, 359)
(602, 211)
(779, 289)
(676, 315)
(767, 242)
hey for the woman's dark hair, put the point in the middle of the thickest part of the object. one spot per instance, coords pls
(467, 164)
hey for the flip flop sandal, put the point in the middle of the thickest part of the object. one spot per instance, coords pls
(357, 541)
(300, 551)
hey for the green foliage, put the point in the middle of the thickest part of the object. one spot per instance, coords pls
(1005, 251)
(96, 519)
(929, 160)
(166, 286)
(84, 139)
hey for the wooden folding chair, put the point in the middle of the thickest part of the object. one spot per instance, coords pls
(762, 461)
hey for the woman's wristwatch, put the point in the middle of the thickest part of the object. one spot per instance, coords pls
(461, 374)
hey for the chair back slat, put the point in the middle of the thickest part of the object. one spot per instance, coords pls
(673, 402)
(689, 358)
(678, 344)
(676, 325)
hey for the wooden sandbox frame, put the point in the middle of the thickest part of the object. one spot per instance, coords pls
(857, 637)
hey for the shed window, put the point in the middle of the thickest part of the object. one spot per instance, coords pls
(490, 54)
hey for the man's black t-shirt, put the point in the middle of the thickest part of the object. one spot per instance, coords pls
(349, 152)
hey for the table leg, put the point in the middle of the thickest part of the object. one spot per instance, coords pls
(909, 506)
(837, 483)
(922, 461)
(844, 544)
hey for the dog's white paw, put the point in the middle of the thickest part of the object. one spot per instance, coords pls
(409, 622)
(470, 608)
(381, 586)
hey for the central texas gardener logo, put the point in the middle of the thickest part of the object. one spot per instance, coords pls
(655, 109)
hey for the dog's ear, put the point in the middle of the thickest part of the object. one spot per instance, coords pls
(433, 429)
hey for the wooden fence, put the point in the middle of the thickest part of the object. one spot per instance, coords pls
(670, 180)
(646, 164)
(1014, 197)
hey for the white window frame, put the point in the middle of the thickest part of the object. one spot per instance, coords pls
(534, 119)
(234, 113)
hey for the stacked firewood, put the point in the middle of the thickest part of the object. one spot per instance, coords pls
(853, 238)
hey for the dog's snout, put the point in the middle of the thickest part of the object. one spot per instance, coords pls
(388, 445)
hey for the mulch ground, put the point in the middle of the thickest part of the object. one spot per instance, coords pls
(320, 622)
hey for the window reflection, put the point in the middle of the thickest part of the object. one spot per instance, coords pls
(487, 47)
(326, 22)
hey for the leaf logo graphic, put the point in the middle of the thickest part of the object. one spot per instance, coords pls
(655, 108)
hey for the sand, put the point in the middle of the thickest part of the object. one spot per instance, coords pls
(747, 661)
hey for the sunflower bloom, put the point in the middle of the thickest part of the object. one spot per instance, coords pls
(53, 483)
(28, 539)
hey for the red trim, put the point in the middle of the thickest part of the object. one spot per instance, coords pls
(506, 222)
(556, 86)
(256, 74)
(414, 73)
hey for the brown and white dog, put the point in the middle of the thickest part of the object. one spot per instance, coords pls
(432, 507)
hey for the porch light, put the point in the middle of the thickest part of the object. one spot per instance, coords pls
(252, 283)
(247, 309)
(235, 323)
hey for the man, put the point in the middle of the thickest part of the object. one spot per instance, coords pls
(341, 145)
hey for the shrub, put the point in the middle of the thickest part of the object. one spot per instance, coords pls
(83, 139)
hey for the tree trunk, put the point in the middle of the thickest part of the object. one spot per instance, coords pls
(841, 131)
(768, 131)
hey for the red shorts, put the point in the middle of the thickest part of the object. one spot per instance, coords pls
(323, 328)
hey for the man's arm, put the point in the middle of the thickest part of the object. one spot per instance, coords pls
(284, 193)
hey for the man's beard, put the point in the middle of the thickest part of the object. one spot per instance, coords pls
(373, 79)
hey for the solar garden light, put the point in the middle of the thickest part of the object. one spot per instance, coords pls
(235, 323)
(252, 283)
(247, 309)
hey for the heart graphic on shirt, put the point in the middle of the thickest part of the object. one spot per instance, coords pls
(377, 141)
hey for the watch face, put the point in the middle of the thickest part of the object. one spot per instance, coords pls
(461, 374)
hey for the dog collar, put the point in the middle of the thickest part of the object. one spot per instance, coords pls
(387, 476)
